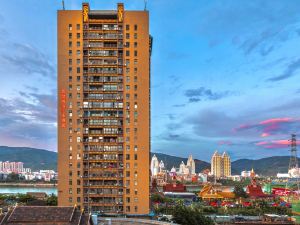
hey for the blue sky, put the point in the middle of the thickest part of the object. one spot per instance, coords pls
(225, 74)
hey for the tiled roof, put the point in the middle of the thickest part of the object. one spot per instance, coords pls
(38, 215)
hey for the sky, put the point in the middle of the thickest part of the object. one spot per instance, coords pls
(225, 74)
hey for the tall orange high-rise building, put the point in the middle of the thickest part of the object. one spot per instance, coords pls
(104, 109)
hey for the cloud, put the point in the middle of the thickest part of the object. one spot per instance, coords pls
(274, 144)
(202, 93)
(29, 120)
(254, 26)
(272, 126)
(27, 59)
(179, 105)
(289, 72)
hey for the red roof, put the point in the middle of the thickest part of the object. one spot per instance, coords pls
(174, 188)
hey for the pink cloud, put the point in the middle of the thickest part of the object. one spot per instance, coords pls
(275, 144)
(269, 127)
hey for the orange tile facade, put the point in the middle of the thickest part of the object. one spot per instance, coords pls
(104, 110)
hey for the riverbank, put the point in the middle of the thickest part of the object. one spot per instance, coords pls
(39, 185)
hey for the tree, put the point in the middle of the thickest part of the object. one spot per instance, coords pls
(52, 200)
(187, 216)
(239, 191)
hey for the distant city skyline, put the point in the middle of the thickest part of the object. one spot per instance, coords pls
(224, 75)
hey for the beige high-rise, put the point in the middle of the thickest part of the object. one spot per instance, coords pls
(104, 109)
(220, 165)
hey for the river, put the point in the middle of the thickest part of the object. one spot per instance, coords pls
(24, 190)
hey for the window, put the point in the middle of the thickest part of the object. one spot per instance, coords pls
(128, 191)
(135, 208)
(70, 44)
(70, 52)
(135, 62)
(78, 69)
(70, 26)
(78, 199)
(127, 87)
(135, 53)
(127, 174)
(135, 70)
(70, 35)
(135, 157)
(135, 78)
(70, 69)
(78, 52)
(127, 208)
(70, 199)
(70, 61)
(127, 157)
(135, 35)
(128, 199)
(127, 53)
(135, 27)
(78, 61)
(78, 35)
(70, 86)
(135, 191)
(127, 78)
(135, 44)
(78, 78)
(78, 26)
(127, 45)
(127, 26)
(78, 44)
(127, 36)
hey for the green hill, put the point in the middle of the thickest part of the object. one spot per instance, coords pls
(33, 158)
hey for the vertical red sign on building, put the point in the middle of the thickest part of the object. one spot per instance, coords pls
(63, 119)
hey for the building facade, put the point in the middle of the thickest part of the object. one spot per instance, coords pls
(104, 110)
(220, 165)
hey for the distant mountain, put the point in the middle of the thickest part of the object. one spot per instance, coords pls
(33, 158)
(42, 159)
(175, 161)
(266, 166)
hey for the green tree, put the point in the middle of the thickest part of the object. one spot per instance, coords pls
(239, 191)
(188, 216)
(52, 200)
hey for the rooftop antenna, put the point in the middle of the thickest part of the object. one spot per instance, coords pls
(63, 4)
(145, 5)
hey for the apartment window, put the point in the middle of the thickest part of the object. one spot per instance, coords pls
(135, 183)
(127, 208)
(78, 88)
(135, 35)
(70, 199)
(78, 52)
(135, 70)
(135, 27)
(127, 165)
(127, 36)
(135, 199)
(127, 45)
(78, 199)
(78, 190)
(70, 80)
(127, 87)
(127, 53)
(70, 52)
(135, 191)
(135, 87)
(127, 157)
(70, 191)
(127, 78)
(70, 182)
(70, 61)
(127, 70)
(70, 35)
(78, 69)
(78, 182)
(70, 44)
(135, 44)
(135, 148)
(78, 77)
(128, 199)
(70, 95)
(135, 78)
(127, 62)
(70, 26)
(127, 96)
(70, 69)
(127, 26)
(78, 44)
(135, 62)
(78, 26)
(127, 174)
(127, 191)
(78, 61)
(135, 208)
(78, 35)
(135, 157)
(135, 53)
